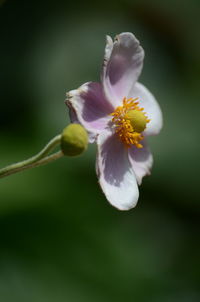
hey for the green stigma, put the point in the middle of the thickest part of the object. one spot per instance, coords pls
(137, 119)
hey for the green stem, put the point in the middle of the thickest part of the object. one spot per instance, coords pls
(43, 161)
(35, 159)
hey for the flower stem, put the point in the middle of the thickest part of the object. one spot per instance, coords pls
(42, 161)
(38, 159)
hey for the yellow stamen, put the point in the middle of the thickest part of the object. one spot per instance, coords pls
(130, 121)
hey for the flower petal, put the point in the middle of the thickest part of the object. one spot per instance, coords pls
(151, 107)
(122, 66)
(74, 119)
(116, 177)
(89, 107)
(141, 161)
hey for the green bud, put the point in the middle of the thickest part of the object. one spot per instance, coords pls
(74, 140)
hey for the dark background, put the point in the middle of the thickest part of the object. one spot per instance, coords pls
(60, 240)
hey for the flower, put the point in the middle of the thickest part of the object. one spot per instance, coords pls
(119, 113)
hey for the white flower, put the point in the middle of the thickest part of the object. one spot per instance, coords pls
(119, 113)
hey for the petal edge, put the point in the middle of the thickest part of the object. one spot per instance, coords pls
(116, 177)
(141, 161)
(89, 107)
(123, 62)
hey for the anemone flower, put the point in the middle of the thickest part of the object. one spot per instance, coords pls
(118, 114)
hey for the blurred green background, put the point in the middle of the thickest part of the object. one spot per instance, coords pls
(60, 240)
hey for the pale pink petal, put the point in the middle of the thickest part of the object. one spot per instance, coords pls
(151, 107)
(141, 161)
(72, 115)
(89, 107)
(74, 119)
(116, 176)
(122, 66)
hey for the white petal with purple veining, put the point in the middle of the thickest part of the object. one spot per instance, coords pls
(141, 161)
(89, 106)
(151, 107)
(122, 66)
(116, 176)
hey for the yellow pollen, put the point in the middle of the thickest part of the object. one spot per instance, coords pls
(129, 121)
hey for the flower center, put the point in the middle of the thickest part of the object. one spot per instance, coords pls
(129, 121)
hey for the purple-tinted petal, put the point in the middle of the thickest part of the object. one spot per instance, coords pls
(122, 66)
(89, 107)
(151, 107)
(141, 161)
(116, 176)
(74, 119)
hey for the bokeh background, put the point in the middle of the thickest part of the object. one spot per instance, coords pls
(59, 238)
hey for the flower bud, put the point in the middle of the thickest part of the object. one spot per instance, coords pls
(74, 140)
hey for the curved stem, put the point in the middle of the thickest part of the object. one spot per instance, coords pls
(41, 162)
(20, 165)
